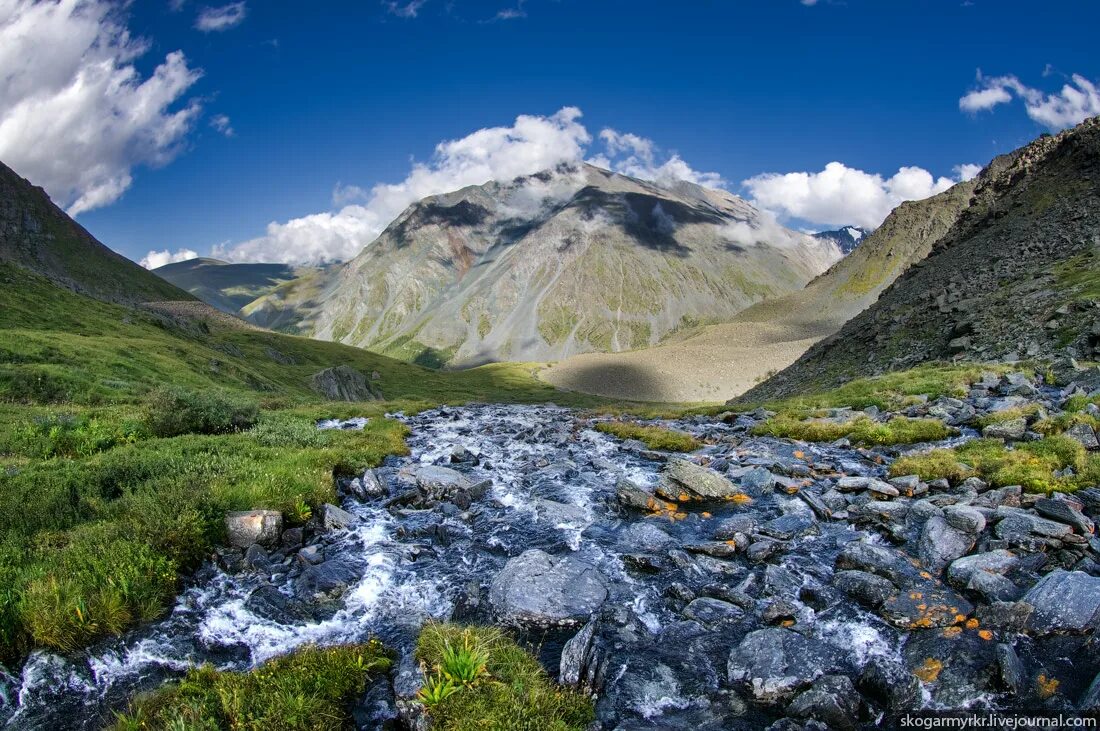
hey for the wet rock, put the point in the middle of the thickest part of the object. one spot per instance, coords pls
(645, 536)
(291, 540)
(832, 699)
(1010, 670)
(889, 684)
(681, 476)
(787, 527)
(253, 526)
(256, 558)
(268, 602)
(876, 560)
(1090, 701)
(868, 589)
(779, 612)
(757, 480)
(1010, 429)
(583, 663)
(924, 606)
(1007, 616)
(536, 588)
(712, 611)
(368, 487)
(776, 663)
(763, 549)
(632, 497)
(334, 518)
(311, 555)
(717, 549)
(377, 709)
(992, 587)
(558, 514)
(965, 519)
(942, 543)
(343, 383)
(328, 578)
(1064, 601)
(731, 527)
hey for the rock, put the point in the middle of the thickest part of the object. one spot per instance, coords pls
(876, 560)
(1010, 429)
(927, 605)
(311, 555)
(996, 562)
(343, 383)
(268, 602)
(1064, 601)
(632, 497)
(964, 518)
(992, 587)
(940, 544)
(255, 556)
(1084, 434)
(789, 526)
(253, 526)
(537, 588)
(757, 480)
(909, 485)
(680, 476)
(1014, 521)
(882, 488)
(328, 578)
(712, 611)
(775, 663)
(560, 514)
(890, 685)
(730, 527)
(832, 699)
(867, 589)
(1007, 616)
(1063, 512)
(645, 536)
(852, 483)
(718, 549)
(368, 487)
(1090, 701)
(291, 540)
(582, 663)
(1010, 669)
(334, 518)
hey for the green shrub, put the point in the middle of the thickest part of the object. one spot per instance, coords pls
(654, 437)
(513, 692)
(308, 690)
(285, 430)
(65, 435)
(862, 430)
(174, 411)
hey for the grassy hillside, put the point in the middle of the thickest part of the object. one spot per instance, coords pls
(229, 287)
(38, 236)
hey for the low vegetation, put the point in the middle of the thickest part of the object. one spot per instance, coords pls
(478, 678)
(860, 430)
(654, 437)
(310, 689)
(1031, 465)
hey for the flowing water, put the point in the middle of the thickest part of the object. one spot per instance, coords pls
(553, 487)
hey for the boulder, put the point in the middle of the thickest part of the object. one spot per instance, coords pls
(682, 476)
(876, 560)
(832, 699)
(889, 684)
(776, 663)
(344, 383)
(334, 518)
(996, 562)
(329, 578)
(941, 543)
(712, 611)
(1010, 429)
(1064, 601)
(540, 589)
(268, 602)
(253, 526)
(867, 589)
(633, 497)
(582, 662)
(1084, 434)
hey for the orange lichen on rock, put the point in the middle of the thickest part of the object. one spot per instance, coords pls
(972, 623)
(741, 498)
(985, 634)
(929, 670)
(1046, 686)
(952, 632)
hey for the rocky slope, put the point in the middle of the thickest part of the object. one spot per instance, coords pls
(567, 261)
(847, 238)
(228, 287)
(38, 236)
(1016, 276)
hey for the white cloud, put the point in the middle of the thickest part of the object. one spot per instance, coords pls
(531, 144)
(841, 196)
(966, 171)
(76, 116)
(404, 10)
(156, 259)
(1075, 102)
(223, 124)
(636, 156)
(216, 20)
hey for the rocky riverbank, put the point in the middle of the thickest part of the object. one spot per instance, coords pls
(754, 580)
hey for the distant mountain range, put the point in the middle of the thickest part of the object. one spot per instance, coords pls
(229, 287)
(566, 261)
(847, 238)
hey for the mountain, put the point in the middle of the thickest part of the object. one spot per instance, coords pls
(846, 238)
(716, 362)
(229, 287)
(1018, 275)
(566, 261)
(39, 237)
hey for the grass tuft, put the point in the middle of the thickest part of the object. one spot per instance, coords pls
(861, 430)
(654, 437)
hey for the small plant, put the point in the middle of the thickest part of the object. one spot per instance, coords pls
(301, 512)
(464, 664)
(437, 688)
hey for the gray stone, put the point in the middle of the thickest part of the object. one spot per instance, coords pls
(334, 518)
(632, 497)
(253, 526)
(876, 560)
(867, 589)
(789, 526)
(1063, 512)
(712, 611)
(730, 527)
(368, 487)
(1090, 701)
(645, 536)
(582, 663)
(311, 555)
(757, 479)
(889, 684)
(1007, 616)
(1011, 429)
(680, 475)
(776, 663)
(882, 488)
(1010, 669)
(832, 699)
(328, 578)
(536, 588)
(559, 514)
(344, 383)
(1064, 601)
(997, 562)
(1084, 434)
(964, 518)
(940, 544)
(993, 587)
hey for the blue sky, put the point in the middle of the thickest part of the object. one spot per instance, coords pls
(330, 93)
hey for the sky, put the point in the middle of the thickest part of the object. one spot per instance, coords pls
(294, 132)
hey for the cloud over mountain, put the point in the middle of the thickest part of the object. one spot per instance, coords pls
(1075, 102)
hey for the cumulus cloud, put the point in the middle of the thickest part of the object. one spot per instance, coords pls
(222, 123)
(76, 116)
(529, 145)
(155, 259)
(1076, 101)
(636, 156)
(216, 20)
(841, 196)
